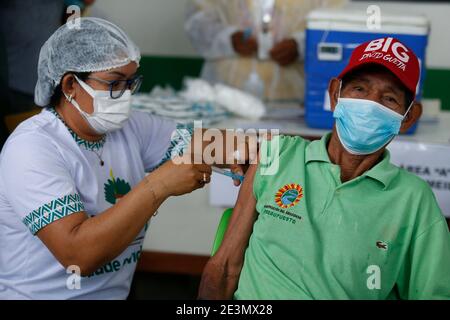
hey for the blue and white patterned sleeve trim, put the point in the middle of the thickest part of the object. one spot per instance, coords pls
(179, 141)
(52, 211)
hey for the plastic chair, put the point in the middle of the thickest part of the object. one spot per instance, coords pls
(221, 229)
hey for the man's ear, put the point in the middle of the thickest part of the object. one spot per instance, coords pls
(413, 115)
(68, 84)
(333, 92)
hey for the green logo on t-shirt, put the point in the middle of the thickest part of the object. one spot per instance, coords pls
(115, 188)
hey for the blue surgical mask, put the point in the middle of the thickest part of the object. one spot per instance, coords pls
(365, 126)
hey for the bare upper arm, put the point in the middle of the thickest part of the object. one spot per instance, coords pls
(241, 223)
(246, 201)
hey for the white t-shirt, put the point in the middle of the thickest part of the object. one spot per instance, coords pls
(47, 172)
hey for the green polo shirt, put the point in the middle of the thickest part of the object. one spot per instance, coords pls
(378, 236)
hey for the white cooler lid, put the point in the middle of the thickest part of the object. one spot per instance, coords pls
(356, 21)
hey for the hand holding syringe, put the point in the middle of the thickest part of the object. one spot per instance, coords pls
(228, 173)
(238, 179)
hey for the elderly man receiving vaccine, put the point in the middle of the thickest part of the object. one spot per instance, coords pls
(338, 220)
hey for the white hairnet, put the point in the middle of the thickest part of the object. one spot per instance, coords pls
(97, 45)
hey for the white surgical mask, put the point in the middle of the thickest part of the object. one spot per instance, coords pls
(109, 114)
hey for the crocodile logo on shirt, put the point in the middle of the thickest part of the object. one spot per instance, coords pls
(115, 188)
(288, 195)
(382, 245)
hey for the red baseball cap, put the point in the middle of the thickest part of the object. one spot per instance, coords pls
(391, 54)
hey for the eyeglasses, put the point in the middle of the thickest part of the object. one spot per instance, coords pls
(118, 87)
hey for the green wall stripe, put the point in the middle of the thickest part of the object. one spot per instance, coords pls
(164, 70)
(437, 86)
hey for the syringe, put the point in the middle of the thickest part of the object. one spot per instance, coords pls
(228, 173)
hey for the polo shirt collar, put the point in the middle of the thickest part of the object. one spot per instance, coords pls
(317, 150)
(384, 171)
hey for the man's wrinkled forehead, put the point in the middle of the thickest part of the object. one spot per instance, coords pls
(374, 74)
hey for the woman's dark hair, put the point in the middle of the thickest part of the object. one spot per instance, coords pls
(57, 94)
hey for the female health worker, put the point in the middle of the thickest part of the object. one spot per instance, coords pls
(74, 194)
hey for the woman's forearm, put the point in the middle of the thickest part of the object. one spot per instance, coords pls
(102, 238)
(89, 243)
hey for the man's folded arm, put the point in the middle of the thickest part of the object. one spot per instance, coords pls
(221, 275)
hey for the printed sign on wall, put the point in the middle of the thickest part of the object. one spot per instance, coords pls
(431, 162)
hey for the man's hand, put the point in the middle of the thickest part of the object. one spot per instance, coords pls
(244, 47)
(218, 283)
(285, 52)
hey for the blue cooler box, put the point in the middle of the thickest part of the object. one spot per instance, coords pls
(331, 36)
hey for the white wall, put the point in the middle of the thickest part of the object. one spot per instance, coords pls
(439, 15)
(157, 25)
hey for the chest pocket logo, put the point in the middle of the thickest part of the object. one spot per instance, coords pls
(382, 245)
(115, 188)
(289, 195)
